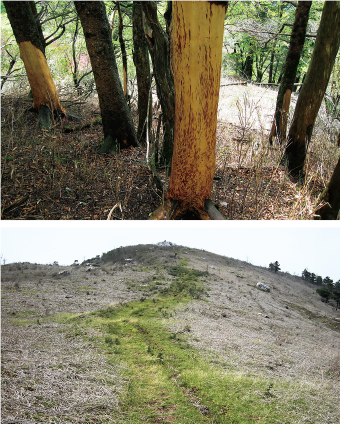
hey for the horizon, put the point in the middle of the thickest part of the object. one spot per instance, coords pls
(295, 247)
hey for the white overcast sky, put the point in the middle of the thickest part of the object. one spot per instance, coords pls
(296, 245)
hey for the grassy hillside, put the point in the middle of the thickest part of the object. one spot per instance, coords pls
(166, 334)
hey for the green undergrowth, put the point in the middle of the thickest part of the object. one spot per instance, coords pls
(331, 323)
(167, 380)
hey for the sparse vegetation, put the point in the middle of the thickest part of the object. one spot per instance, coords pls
(210, 348)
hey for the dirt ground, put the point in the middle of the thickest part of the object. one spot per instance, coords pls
(60, 175)
(287, 334)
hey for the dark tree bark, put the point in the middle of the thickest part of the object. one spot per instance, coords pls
(27, 36)
(159, 47)
(123, 49)
(75, 63)
(271, 67)
(119, 131)
(314, 87)
(248, 66)
(23, 23)
(331, 195)
(141, 61)
(297, 41)
(37, 20)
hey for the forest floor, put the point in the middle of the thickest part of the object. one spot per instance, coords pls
(276, 355)
(60, 175)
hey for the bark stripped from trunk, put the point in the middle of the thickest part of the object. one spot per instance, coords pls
(314, 87)
(119, 131)
(39, 76)
(297, 41)
(32, 53)
(197, 50)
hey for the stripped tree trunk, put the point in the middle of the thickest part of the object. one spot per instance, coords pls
(141, 61)
(119, 131)
(314, 87)
(297, 41)
(197, 54)
(45, 96)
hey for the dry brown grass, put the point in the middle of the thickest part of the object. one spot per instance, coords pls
(52, 368)
(59, 175)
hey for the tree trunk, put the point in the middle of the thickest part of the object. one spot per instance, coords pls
(119, 131)
(32, 53)
(331, 195)
(159, 47)
(248, 66)
(271, 66)
(297, 41)
(314, 87)
(141, 61)
(123, 49)
(75, 63)
(197, 52)
(37, 21)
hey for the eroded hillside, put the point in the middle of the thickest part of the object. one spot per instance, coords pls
(52, 354)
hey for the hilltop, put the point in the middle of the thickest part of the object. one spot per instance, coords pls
(287, 336)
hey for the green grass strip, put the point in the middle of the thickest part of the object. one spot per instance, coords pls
(170, 381)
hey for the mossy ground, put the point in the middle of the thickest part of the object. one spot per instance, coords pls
(169, 381)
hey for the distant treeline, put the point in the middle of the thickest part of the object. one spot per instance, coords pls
(327, 290)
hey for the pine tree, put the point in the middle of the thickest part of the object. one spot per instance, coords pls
(324, 293)
(305, 274)
(277, 266)
(328, 282)
(319, 280)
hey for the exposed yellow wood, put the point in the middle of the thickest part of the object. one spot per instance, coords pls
(39, 76)
(197, 54)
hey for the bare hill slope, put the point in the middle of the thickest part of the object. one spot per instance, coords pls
(287, 333)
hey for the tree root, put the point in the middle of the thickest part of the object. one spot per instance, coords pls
(45, 117)
(176, 210)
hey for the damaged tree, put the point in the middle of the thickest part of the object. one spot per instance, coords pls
(197, 54)
(45, 97)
